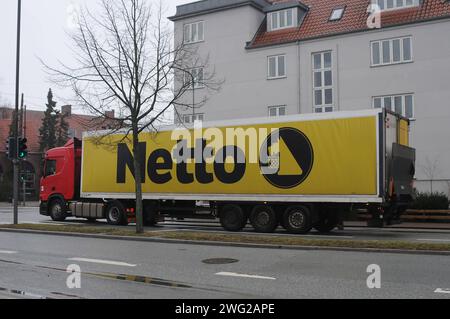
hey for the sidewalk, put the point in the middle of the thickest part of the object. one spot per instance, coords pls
(28, 204)
(403, 225)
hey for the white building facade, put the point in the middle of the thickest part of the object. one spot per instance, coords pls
(279, 58)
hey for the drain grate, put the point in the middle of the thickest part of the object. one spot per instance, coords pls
(220, 261)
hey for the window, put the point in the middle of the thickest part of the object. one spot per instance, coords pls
(322, 82)
(276, 67)
(50, 168)
(391, 51)
(275, 111)
(194, 32)
(190, 119)
(396, 4)
(401, 104)
(337, 14)
(281, 20)
(195, 74)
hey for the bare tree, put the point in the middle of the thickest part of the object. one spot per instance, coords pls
(127, 61)
(430, 169)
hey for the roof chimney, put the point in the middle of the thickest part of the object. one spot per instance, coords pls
(66, 110)
(110, 114)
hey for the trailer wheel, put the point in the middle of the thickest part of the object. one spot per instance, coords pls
(327, 222)
(297, 220)
(57, 210)
(264, 219)
(115, 214)
(232, 218)
(150, 214)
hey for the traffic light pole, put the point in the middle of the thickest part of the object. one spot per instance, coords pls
(16, 122)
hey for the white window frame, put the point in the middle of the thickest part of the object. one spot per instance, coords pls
(392, 98)
(277, 67)
(323, 88)
(190, 39)
(391, 51)
(277, 109)
(279, 14)
(195, 73)
(191, 118)
(404, 4)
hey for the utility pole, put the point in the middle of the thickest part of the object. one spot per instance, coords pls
(24, 135)
(16, 122)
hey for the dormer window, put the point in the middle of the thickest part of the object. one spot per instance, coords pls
(282, 19)
(396, 4)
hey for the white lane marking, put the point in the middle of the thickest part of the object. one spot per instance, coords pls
(442, 291)
(8, 252)
(435, 240)
(232, 274)
(100, 261)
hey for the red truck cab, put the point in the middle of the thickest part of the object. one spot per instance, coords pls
(60, 182)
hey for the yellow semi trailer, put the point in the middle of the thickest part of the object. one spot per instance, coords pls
(299, 172)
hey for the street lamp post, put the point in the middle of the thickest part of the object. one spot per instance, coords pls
(16, 122)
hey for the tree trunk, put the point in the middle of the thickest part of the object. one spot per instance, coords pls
(138, 184)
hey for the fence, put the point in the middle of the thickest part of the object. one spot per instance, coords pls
(433, 186)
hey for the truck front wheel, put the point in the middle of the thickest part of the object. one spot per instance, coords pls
(232, 218)
(57, 210)
(115, 214)
(297, 220)
(264, 219)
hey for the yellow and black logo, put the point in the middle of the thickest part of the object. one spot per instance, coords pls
(294, 161)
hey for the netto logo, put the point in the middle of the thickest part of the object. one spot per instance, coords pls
(284, 156)
(294, 162)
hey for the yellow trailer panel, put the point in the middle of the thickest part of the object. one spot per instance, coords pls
(318, 156)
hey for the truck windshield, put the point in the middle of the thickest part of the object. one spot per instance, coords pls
(50, 167)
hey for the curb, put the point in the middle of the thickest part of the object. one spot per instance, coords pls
(230, 244)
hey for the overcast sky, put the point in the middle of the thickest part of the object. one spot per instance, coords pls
(44, 27)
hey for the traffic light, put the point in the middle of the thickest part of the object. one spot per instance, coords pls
(11, 148)
(23, 148)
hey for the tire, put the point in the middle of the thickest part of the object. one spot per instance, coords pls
(297, 220)
(150, 214)
(327, 222)
(264, 219)
(115, 214)
(57, 210)
(232, 218)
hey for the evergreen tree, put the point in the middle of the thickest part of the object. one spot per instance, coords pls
(62, 132)
(47, 132)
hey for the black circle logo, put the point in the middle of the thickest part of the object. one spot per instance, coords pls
(293, 162)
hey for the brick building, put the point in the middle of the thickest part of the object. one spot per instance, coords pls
(31, 168)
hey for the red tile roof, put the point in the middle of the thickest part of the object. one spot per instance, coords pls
(79, 123)
(316, 23)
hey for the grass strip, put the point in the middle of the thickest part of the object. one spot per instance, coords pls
(239, 238)
(300, 241)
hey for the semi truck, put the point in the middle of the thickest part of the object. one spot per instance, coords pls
(299, 172)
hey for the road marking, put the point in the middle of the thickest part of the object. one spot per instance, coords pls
(100, 261)
(442, 291)
(8, 252)
(232, 274)
(435, 240)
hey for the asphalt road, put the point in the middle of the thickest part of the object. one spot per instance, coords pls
(34, 265)
(31, 215)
